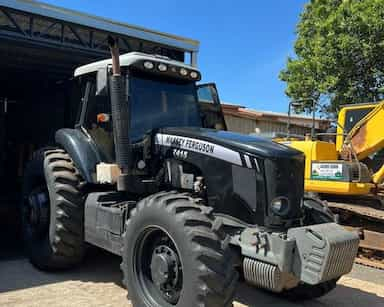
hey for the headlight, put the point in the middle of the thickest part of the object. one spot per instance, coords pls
(148, 65)
(194, 74)
(162, 67)
(280, 206)
(183, 72)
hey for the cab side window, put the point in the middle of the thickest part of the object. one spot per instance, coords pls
(98, 121)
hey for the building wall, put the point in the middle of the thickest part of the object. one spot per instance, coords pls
(247, 126)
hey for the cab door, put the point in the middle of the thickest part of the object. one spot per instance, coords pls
(210, 107)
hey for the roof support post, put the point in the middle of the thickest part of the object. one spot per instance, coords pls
(194, 58)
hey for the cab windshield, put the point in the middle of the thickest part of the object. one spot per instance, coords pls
(159, 103)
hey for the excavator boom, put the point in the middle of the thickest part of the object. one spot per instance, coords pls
(367, 138)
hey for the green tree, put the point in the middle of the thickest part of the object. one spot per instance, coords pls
(339, 53)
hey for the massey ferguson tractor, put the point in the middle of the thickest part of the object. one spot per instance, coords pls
(149, 173)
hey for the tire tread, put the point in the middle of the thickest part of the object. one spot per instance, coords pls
(216, 274)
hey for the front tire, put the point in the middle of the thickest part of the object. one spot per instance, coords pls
(316, 211)
(175, 254)
(52, 211)
(305, 292)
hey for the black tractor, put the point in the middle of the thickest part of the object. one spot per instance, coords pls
(150, 173)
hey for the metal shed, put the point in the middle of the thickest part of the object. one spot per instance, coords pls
(248, 121)
(40, 45)
(34, 33)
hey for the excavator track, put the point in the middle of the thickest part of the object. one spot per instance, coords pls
(376, 263)
(363, 211)
(368, 219)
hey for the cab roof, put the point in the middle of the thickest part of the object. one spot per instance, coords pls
(127, 60)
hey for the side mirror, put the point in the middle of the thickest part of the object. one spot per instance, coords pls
(209, 101)
(208, 93)
(101, 82)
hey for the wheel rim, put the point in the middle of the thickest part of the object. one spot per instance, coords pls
(158, 268)
(36, 212)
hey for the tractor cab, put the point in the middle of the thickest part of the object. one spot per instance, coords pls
(161, 93)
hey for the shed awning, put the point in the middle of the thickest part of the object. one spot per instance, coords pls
(34, 33)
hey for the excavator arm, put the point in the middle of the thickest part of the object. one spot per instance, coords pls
(367, 138)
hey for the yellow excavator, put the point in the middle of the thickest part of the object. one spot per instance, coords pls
(347, 170)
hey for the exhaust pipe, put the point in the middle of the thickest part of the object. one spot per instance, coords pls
(120, 117)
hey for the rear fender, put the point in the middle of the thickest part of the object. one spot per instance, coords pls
(82, 150)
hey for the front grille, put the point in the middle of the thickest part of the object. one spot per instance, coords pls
(262, 274)
(285, 178)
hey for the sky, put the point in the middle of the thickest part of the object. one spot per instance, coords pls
(243, 44)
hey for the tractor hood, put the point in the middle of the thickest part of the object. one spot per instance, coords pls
(241, 171)
(254, 145)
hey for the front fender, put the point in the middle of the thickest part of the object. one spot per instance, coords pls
(82, 150)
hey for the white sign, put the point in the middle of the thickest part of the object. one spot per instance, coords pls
(327, 171)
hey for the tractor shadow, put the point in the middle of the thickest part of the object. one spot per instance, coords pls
(10, 238)
(17, 273)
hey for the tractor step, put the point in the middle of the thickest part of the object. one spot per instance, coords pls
(105, 216)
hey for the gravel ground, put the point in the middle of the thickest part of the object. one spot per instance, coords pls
(97, 283)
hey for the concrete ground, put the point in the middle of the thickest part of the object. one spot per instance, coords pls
(98, 283)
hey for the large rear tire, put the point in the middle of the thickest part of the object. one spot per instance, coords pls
(52, 211)
(175, 254)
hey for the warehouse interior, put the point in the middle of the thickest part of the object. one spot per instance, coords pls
(37, 92)
(37, 97)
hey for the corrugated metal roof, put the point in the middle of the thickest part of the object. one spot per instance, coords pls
(267, 113)
(104, 24)
(301, 120)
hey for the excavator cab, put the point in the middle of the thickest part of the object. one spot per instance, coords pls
(363, 137)
(348, 117)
